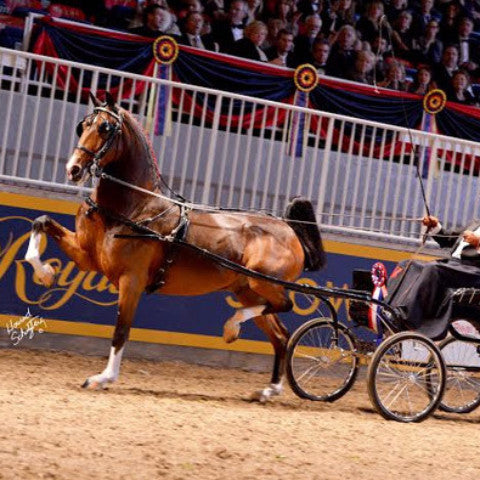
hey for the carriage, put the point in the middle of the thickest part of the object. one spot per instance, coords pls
(408, 374)
(144, 241)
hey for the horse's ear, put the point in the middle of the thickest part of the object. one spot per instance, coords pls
(109, 99)
(96, 102)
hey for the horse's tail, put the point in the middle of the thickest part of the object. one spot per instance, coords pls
(301, 217)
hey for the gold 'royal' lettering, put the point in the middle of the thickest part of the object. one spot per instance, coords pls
(70, 282)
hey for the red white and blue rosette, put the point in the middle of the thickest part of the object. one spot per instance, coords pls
(434, 101)
(305, 77)
(379, 278)
(165, 50)
(379, 274)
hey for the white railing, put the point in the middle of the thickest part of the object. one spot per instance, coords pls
(212, 151)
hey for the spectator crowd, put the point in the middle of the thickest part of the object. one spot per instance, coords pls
(373, 42)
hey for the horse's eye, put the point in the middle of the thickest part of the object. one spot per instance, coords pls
(105, 127)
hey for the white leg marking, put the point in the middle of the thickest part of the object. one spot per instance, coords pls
(231, 329)
(45, 272)
(272, 390)
(110, 374)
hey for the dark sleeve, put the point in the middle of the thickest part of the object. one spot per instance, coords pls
(446, 238)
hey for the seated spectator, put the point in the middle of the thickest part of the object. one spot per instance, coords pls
(423, 82)
(274, 25)
(443, 71)
(320, 52)
(370, 24)
(250, 45)
(460, 91)
(362, 71)
(303, 43)
(402, 36)
(215, 10)
(469, 52)
(343, 52)
(338, 14)
(472, 10)
(137, 20)
(157, 20)
(254, 10)
(192, 27)
(449, 23)
(395, 77)
(284, 11)
(394, 8)
(187, 6)
(282, 52)
(306, 8)
(425, 14)
(231, 29)
(427, 47)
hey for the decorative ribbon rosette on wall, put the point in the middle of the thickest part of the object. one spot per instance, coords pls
(165, 52)
(305, 78)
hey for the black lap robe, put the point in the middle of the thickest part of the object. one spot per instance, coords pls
(426, 291)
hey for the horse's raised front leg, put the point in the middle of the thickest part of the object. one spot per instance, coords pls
(130, 290)
(65, 239)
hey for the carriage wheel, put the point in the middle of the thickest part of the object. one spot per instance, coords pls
(321, 360)
(462, 391)
(406, 377)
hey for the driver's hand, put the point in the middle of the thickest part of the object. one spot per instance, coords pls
(430, 221)
(471, 238)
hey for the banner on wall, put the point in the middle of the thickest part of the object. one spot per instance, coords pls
(85, 303)
(133, 53)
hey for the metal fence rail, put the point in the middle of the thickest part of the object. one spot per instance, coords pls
(233, 151)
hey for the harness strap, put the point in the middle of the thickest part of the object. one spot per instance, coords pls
(177, 235)
(172, 241)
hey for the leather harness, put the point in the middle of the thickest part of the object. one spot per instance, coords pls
(172, 240)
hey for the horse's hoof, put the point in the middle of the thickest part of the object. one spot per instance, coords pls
(259, 396)
(93, 385)
(264, 395)
(47, 275)
(231, 331)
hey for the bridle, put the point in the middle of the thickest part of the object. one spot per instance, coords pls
(112, 130)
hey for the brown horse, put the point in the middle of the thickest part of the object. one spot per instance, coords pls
(127, 200)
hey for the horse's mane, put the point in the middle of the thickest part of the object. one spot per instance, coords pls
(139, 133)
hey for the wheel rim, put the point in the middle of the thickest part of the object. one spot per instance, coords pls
(409, 379)
(462, 390)
(322, 365)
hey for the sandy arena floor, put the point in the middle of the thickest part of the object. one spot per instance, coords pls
(178, 421)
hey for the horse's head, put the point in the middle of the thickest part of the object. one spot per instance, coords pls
(97, 132)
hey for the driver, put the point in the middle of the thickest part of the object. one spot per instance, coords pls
(427, 299)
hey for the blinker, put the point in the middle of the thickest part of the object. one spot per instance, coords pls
(79, 129)
(105, 127)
